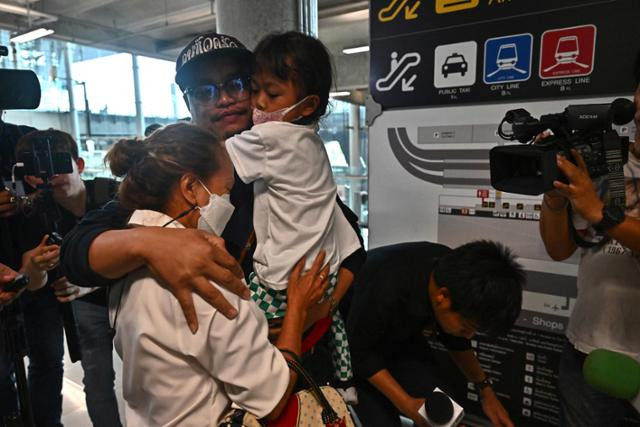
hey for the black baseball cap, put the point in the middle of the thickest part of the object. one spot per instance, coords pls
(207, 46)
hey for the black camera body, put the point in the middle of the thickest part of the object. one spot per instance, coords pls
(532, 168)
(44, 163)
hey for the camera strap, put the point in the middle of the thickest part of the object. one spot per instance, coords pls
(614, 152)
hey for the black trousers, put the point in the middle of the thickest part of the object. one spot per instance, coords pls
(417, 374)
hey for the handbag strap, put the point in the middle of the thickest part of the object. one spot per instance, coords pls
(329, 415)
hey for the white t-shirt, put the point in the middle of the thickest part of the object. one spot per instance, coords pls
(174, 378)
(294, 210)
(606, 314)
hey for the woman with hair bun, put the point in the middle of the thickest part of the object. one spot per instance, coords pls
(180, 177)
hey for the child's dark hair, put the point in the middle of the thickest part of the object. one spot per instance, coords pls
(485, 284)
(301, 58)
(151, 167)
(58, 140)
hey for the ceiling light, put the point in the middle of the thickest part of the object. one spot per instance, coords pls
(31, 35)
(357, 49)
(337, 94)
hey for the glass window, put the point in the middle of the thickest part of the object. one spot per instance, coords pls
(108, 78)
(46, 58)
(161, 97)
(352, 180)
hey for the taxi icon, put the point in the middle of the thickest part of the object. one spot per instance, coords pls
(454, 63)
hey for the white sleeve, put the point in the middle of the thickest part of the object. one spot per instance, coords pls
(238, 354)
(248, 155)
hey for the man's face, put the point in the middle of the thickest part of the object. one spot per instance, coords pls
(449, 320)
(455, 324)
(229, 114)
(64, 186)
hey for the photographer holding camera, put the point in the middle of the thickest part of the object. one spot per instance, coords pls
(605, 314)
(70, 197)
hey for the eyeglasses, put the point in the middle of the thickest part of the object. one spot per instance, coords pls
(237, 88)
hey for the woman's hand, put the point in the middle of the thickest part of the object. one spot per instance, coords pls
(305, 290)
(316, 312)
(42, 258)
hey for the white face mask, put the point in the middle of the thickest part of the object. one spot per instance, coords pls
(216, 214)
(260, 116)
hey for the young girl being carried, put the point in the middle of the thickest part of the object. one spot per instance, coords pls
(295, 210)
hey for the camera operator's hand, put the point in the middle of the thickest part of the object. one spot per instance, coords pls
(6, 276)
(580, 190)
(8, 205)
(66, 291)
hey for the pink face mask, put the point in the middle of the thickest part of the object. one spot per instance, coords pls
(260, 116)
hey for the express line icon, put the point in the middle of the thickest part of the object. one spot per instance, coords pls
(567, 52)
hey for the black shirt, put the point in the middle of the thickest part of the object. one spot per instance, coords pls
(98, 191)
(9, 136)
(74, 258)
(391, 306)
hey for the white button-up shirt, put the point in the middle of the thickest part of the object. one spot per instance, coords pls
(172, 377)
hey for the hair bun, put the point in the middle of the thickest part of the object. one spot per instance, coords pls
(124, 155)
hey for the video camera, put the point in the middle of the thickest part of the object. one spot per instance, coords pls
(44, 163)
(19, 89)
(532, 168)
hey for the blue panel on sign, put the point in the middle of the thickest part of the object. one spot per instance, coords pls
(508, 59)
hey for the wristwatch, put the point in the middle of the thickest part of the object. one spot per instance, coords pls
(481, 385)
(611, 216)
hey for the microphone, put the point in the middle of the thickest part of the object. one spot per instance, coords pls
(614, 374)
(438, 407)
(440, 410)
(19, 90)
(622, 111)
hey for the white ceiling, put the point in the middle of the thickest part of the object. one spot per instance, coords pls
(160, 28)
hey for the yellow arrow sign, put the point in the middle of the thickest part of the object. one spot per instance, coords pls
(410, 13)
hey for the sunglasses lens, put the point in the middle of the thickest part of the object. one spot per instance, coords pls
(206, 93)
(235, 87)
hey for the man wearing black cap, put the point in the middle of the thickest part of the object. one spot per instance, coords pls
(213, 72)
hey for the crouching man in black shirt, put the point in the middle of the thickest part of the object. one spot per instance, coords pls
(406, 288)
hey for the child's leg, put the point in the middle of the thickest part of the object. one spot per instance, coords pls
(273, 303)
(340, 355)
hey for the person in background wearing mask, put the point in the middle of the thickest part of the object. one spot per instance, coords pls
(180, 177)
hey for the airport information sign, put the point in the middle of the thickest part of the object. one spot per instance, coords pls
(431, 52)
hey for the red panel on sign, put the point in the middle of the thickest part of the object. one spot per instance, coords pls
(567, 52)
(482, 194)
